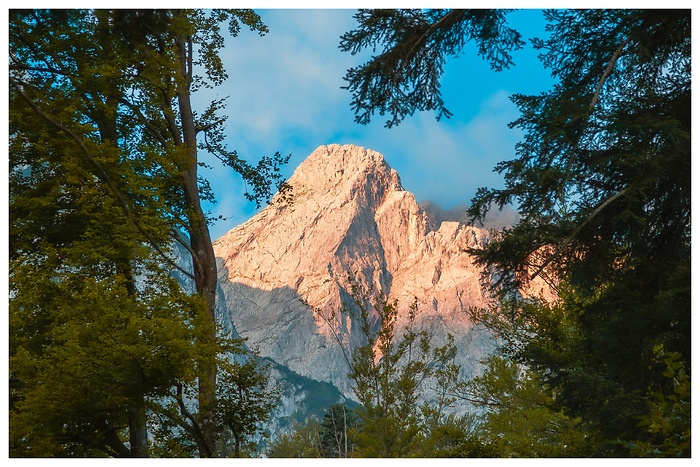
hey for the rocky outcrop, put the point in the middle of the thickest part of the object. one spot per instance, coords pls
(284, 274)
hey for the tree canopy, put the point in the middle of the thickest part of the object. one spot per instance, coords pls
(104, 179)
(601, 180)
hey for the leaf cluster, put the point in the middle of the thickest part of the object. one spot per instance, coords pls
(668, 421)
(246, 401)
(521, 418)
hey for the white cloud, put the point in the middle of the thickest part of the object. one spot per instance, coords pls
(290, 76)
(446, 161)
(285, 96)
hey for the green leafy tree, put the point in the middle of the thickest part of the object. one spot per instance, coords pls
(520, 415)
(336, 431)
(101, 112)
(302, 441)
(245, 402)
(391, 374)
(98, 329)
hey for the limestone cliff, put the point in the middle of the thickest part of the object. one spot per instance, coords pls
(349, 214)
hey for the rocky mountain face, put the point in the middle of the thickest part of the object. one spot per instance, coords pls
(284, 274)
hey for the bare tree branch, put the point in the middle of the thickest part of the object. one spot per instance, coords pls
(201, 440)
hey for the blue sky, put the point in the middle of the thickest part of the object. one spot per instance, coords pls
(285, 95)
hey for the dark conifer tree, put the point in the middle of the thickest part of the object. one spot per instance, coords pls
(601, 180)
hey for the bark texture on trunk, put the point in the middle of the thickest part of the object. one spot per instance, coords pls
(203, 260)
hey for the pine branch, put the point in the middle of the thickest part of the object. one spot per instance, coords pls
(606, 73)
(570, 238)
(596, 95)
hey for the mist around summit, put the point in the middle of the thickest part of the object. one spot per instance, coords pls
(496, 219)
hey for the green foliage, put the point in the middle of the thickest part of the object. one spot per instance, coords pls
(87, 342)
(521, 418)
(550, 343)
(404, 77)
(668, 421)
(302, 441)
(337, 427)
(331, 437)
(245, 402)
(105, 349)
(454, 436)
(392, 373)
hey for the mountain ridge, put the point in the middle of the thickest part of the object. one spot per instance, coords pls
(284, 274)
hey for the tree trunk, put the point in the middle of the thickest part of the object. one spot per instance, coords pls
(203, 260)
(345, 431)
(138, 431)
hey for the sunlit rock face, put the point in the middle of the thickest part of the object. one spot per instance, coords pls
(284, 274)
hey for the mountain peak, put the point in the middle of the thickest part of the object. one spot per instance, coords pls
(333, 169)
(284, 273)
